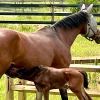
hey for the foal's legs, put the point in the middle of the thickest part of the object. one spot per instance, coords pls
(85, 95)
(77, 87)
(63, 93)
(79, 94)
(82, 95)
(38, 95)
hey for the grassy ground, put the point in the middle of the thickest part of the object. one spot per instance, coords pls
(81, 47)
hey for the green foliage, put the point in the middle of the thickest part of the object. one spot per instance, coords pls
(87, 2)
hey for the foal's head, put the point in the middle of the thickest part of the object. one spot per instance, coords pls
(30, 72)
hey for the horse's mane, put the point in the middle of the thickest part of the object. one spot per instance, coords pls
(72, 21)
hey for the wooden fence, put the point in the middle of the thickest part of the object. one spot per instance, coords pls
(23, 9)
(77, 63)
(52, 13)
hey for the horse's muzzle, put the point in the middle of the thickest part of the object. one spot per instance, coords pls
(97, 40)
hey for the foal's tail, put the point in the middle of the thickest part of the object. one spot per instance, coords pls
(85, 79)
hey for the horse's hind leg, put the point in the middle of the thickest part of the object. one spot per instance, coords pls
(85, 95)
(78, 92)
(82, 95)
(78, 89)
(63, 93)
(79, 95)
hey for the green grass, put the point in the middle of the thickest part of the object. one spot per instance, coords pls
(80, 48)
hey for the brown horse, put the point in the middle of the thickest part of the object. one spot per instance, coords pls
(49, 46)
(47, 78)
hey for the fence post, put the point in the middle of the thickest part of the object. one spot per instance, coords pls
(96, 61)
(9, 94)
(52, 11)
(22, 95)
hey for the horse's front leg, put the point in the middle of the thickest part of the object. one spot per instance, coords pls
(38, 95)
(63, 93)
(46, 95)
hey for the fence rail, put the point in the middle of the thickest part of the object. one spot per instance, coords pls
(44, 5)
(32, 89)
(39, 14)
(52, 14)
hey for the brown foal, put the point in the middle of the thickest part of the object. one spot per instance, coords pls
(46, 78)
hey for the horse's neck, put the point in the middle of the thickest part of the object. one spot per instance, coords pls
(68, 36)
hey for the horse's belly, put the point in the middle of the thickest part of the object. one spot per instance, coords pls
(31, 62)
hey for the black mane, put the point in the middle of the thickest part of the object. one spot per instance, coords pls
(30, 72)
(72, 21)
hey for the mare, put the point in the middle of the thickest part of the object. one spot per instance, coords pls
(47, 78)
(49, 46)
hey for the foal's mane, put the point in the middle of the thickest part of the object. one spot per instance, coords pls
(72, 21)
(25, 72)
(31, 71)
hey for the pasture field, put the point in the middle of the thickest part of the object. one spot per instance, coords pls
(80, 48)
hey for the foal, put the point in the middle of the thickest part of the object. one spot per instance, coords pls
(46, 78)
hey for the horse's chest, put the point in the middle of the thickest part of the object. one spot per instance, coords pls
(62, 57)
(62, 60)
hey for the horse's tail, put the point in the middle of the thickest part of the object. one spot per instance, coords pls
(85, 78)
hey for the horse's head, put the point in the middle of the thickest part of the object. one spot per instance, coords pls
(92, 30)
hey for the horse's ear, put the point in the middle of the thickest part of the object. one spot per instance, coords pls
(83, 7)
(90, 9)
